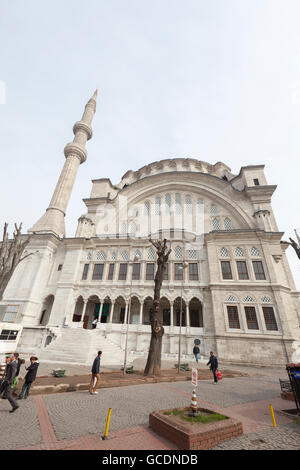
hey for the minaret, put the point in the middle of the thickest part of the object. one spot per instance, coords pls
(53, 221)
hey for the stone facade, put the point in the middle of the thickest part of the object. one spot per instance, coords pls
(236, 292)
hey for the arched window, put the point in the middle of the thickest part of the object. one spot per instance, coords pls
(157, 205)
(213, 209)
(123, 227)
(124, 255)
(178, 206)
(178, 252)
(168, 203)
(227, 224)
(101, 256)
(147, 208)
(151, 254)
(254, 251)
(224, 253)
(188, 204)
(132, 228)
(239, 252)
(216, 224)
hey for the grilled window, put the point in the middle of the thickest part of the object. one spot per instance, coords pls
(178, 272)
(11, 313)
(193, 271)
(251, 318)
(85, 272)
(258, 270)
(166, 273)
(8, 335)
(111, 272)
(150, 271)
(98, 272)
(233, 316)
(270, 319)
(123, 272)
(136, 269)
(226, 270)
(242, 269)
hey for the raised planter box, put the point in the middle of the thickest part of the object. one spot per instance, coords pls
(194, 436)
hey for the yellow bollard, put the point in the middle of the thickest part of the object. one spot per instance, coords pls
(107, 424)
(273, 417)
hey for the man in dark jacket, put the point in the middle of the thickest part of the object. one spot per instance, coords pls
(95, 374)
(213, 361)
(196, 352)
(29, 377)
(10, 375)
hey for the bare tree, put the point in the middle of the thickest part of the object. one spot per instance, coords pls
(295, 246)
(11, 255)
(153, 365)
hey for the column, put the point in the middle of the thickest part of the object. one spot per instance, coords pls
(171, 313)
(80, 323)
(187, 309)
(126, 313)
(100, 313)
(111, 315)
(141, 312)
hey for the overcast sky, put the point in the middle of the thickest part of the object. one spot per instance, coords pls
(215, 80)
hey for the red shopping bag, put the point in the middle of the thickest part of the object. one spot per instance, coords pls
(219, 375)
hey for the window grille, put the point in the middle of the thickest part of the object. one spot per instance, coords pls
(251, 318)
(147, 208)
(113, 256)
(239, 252)
(178, 252)
(231, 298)
(178, 207)
(227, 224)
(258, 270)
(224, 253)
(188, 204)
(89, 255)
(123, 228)
(233, 316)
(216, 224)
(125, 255)
(192, 254)
(132, 228)
(101, 256)
(266, 300)
(213, 209)
(248, 298)
(226, 270)
(242, 270)
(151, 254)
(157, 206)
(168, 203)
(254, 251)
(11, 313)
(270, 319)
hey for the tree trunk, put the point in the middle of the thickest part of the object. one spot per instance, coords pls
(153, 365)
(10, 255)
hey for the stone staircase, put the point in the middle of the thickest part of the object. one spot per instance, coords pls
(80, 346)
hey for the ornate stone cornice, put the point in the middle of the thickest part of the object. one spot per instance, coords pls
(74, 149)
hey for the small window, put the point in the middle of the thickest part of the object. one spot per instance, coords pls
(85, 272)
(123, 272)
(8, 335)
(256, 182)
(242, 270)
(111, 272)
(251, 318)
(136, 269)
(258, 270)
(193, 271)
(226, 270)
(233, 316)
(270, 319)
(59, 267)
(150, 271)
(11, 313)
(98, 272)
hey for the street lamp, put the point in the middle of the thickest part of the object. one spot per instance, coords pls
(183, 266)
(135, 259)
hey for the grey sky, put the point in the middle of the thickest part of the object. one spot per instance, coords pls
(214, 80)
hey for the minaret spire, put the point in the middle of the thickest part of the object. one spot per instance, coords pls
(75, 152)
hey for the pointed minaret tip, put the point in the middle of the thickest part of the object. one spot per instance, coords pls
(95, 94)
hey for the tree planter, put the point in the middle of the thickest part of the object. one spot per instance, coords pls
(194, 436)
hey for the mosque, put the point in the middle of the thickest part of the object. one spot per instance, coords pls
(227, 283)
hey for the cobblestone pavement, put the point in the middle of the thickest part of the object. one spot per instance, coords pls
(72, 419)
(285, 437)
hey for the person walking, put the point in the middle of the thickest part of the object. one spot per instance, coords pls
(196, 352)
(29, 377)
(94, 323)
(95, 374)
(213, 361)
(10, 375)
(3, 385)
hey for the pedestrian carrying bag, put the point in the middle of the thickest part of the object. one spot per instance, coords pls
(219, 375)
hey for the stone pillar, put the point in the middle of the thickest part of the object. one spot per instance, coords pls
(141, 312)
(100, 313)
(80, 323)
(126, 313)
(171, 314)
(187, 310)
(111, 315)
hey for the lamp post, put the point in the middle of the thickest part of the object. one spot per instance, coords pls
(135, 259)
(181, 268)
